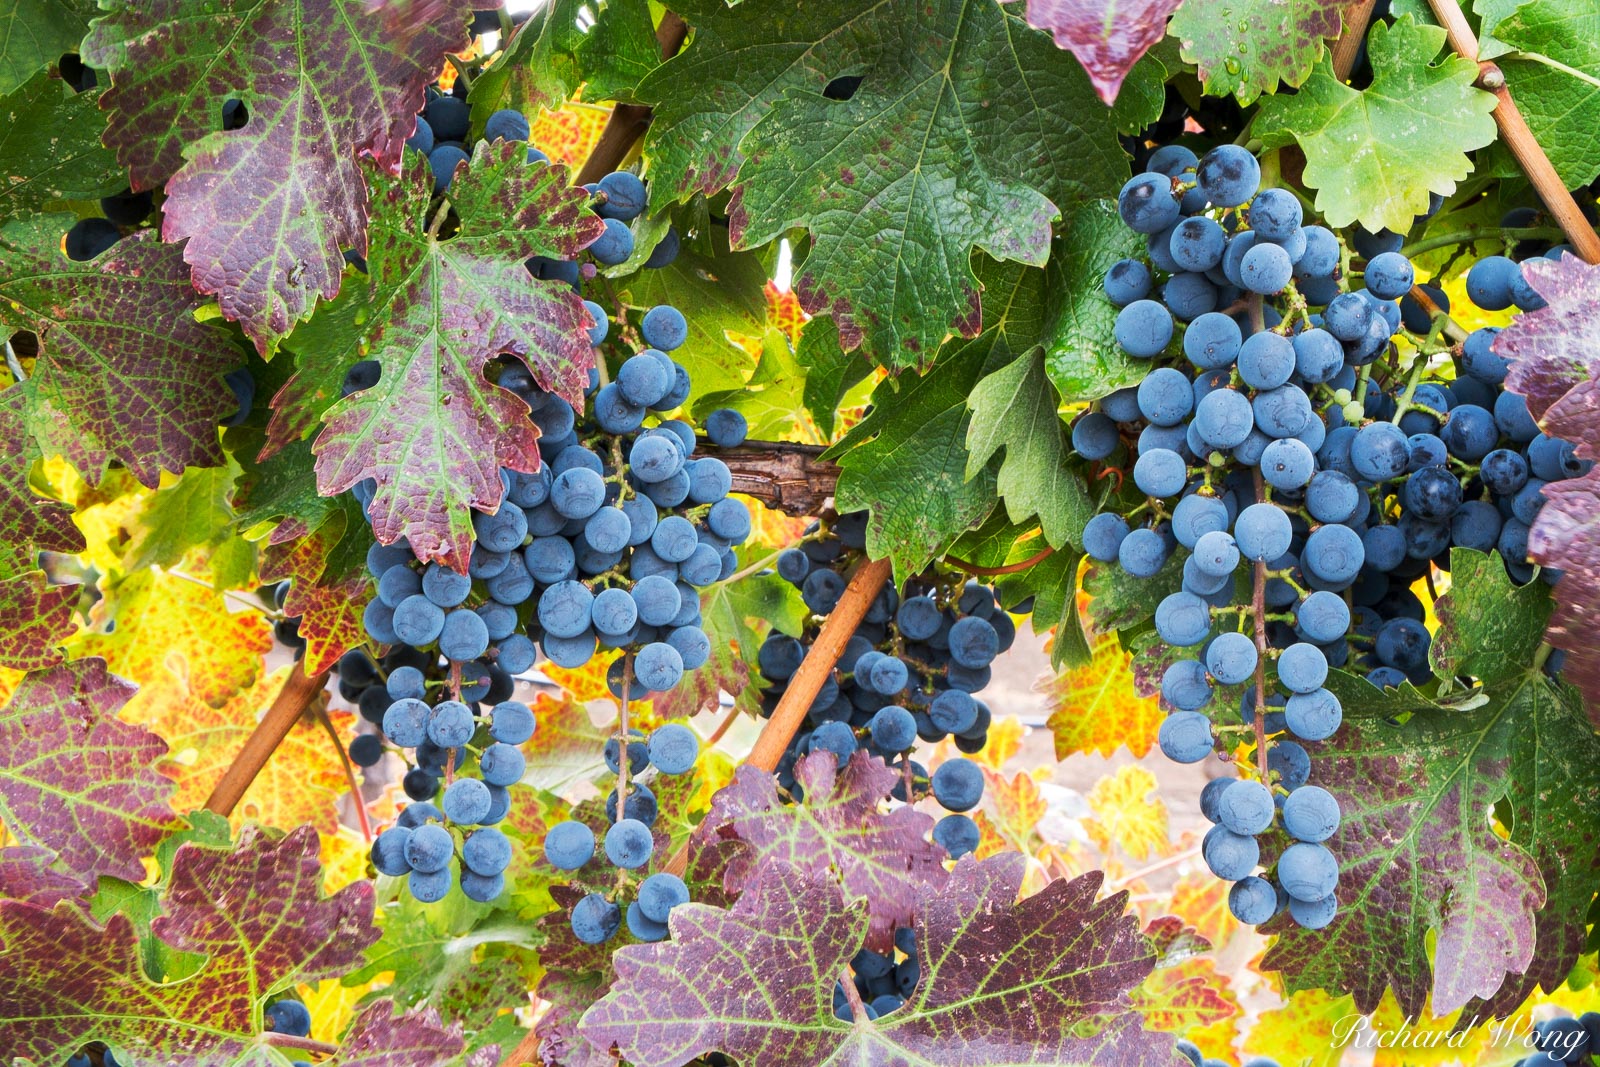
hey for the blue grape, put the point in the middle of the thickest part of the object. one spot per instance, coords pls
(1311, 814)
(1212, 341)
(1142, 553)
(1231, 658)
(1127, 280)
(624, 195)
(643, 381)
(1266, 268)
(430, 887)
(893, 729)
(602, 324)
(486, 852)
(1253, 900)
(726, 428)
(628, 844)
(466, 800)
(1146, 203)
(958, 784)
(614, 245)
(1185, 686)
(405, 723)
(693, 646)
(1246, 807)
(821, 591)
(1287, 464)
(577, 493)
(956, 834)
(288, 1017)
(1318, 355)
(1183, 619)
(709, 480)
(954, 711)
(398, 583)
(1196, 516)
(464, 636)
(565, 609)
(1189, 295)
(1477, 525)
(1389, 276)
(1379, 451)
(1122, 405)
(664, 327)
(1313, 716)
(1197, 243)
(1302, 668)
(429, 848)
(450, 724)
(1323, 617)
(1094, 436)
(1490, 282)
(1228, 175)
(1224, 418)
(480, 887)
(443, 161)
(1230, 856)
(1165, 397)
(1478, 358)
(1282, 412)
(658, 666)
(1314, 915)
(1160, 473)
(1143, 329)
(1185, 737)
(659, 894)
(418, 621)
(1266, 360)
(674, 748)
(1171, 160)
(1307, 872)
(502, 765)
(388, 852)
(1262, 532)
(1334, 554)
(1217, 554)
(1102, 537)
(595, 919)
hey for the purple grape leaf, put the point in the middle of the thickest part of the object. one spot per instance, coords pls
(106, 386)
(1107, 36)
(76, 779)
(255, 910)
(575, 976)
(1043, 980)
(27, 875)
(35, 618)
(379, 1038)
(434, 432)
(1422, 872)
(267, 208)
(286, 930)
(884, 858)
(1553, 365)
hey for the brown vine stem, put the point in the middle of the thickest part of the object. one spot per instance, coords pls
(349, 773)
(629, 121)
(1348, 46)
(807, 681)
(1518, 137)
(1009, 568)
(292, 700)
(852, 996)
(303, 1044)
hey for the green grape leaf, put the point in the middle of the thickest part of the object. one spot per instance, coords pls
(732, 614)
(77, 780)
(721, 293)
(1061, 957)
(906, 461)
(1015, 409)
(34, 33)
(830, 371)
(50, 147)
(772, 400)
(895, 252)
(194, 518)
(1082, 357)
(106, 387)
(1421, 868)
(537, 67)
(1053, 585)
(1554, 70)
(1375, 154)
(884, 858)
(619, 51)
(434, 432)
(268, 209)
(1248, 47)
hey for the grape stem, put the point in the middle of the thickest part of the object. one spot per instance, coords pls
(1258, 604)
(623, 739)
(1469, 234)
(303, 1044)
(852, 996)
(1159, 865)
(349, 773)
(1009, 568)
(292, 700)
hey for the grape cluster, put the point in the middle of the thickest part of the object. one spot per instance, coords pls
(606, 546)
(882, 981)
(1309, 471)
(909, 671)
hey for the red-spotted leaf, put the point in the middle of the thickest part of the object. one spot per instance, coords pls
(328, 591)
(839, 827)
(34, 617)
(380, 1038)
(435, 432)
(1554, 366)
(256, 911)
(1003, 982)
(1107, 36)
(27, 874)
(268, 208)
(78, 781)
(108, 384)
(1433, 903)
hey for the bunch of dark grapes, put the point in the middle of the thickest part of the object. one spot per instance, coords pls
(883, 981)
(606, 546)
(1308, 470)
(909, 672)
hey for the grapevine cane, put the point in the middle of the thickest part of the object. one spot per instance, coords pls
(1518, 137)
(1348, 46)
(808, 680)
(629, 121)
(296, 695)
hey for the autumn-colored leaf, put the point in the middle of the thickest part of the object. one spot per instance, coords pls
(434, 433)
(34, 618)
(1062, 959)
(1096, 708)
(1201, 901)
(567, 747)
(587, 682)
(1129, 812)
(27, 874)
(78, 781)
(267, 208)
(839, 827)
(1003, 741)
(328, 596)
(1186, 995)
(256, 911)
(1017, 808)
(379, 1038)
(1107, 36)
(156, 629)
(105, 388)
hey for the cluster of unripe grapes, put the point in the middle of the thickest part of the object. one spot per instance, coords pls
(909, 672)
(1308, 468)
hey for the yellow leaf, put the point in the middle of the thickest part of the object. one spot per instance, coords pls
(1191, 999)
(1005, 740)
(1319, 1029)
(168, 631)
(587, 682)
(1096, 708)
(568, 134)
(1200, 899)
(332, 1006)
(1128, 811)
(1017, 808)
(301, 781)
